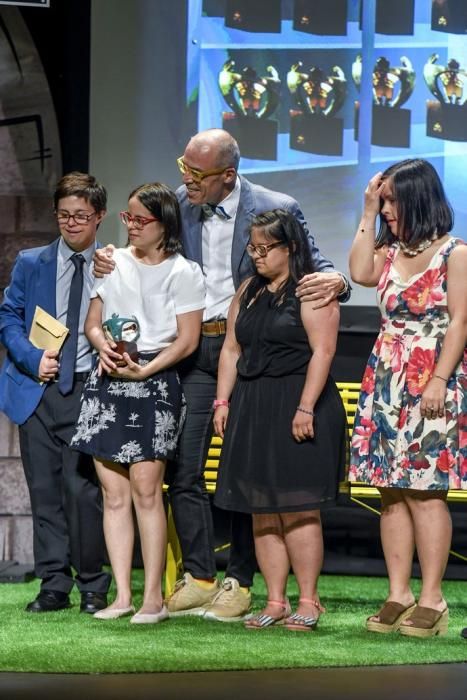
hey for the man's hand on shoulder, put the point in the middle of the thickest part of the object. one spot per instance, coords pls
(320, 288)
(48, 366)
(103, 261)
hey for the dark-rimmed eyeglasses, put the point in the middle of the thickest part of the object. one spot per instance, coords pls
(261, 250)
(139, 222)
(194, 173)
(80, 219)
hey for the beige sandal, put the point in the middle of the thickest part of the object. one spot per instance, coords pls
(391, 616)
(426, 622)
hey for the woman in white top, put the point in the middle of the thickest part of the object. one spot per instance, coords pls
(132, 406)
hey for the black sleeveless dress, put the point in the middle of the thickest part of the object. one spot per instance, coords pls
(262, 468)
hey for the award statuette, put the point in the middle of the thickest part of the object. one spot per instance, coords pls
(313, 128)
(447, 115)
(392, 87)
(124, 332)
(252, 99)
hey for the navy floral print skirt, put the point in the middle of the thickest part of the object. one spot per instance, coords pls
(128, 421)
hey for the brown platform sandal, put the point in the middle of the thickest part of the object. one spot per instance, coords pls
(391, 616)
(260, 621)
(304, 623)
(426, 622)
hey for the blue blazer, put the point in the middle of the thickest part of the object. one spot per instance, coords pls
(254, 200)
(33, 283)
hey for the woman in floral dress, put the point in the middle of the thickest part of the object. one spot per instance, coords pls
(410, 433)
(131, 415)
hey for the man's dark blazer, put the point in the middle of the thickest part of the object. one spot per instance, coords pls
(254, 200)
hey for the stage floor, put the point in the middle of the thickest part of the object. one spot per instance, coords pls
(427, 682)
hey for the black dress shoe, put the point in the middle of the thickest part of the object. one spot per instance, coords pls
(92, 602)
(48, 601)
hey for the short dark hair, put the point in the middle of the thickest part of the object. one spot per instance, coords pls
(76, 184)
(281, 225)
(423, 209)
(161, 201)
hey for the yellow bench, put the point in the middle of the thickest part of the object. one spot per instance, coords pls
(349, 392)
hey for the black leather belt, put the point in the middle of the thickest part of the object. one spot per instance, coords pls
(213, 329)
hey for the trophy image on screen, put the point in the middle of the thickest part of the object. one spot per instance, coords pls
(313, 128)
(318, 17)
(446, 116)
(252, 99)
(392, 87)
(449, 16)
(124, 332)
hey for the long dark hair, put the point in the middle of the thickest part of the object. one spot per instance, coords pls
(423, 210)
(280, 225)
(161, 201)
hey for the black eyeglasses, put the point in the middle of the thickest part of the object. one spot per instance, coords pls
(64, 217)
(261, 250)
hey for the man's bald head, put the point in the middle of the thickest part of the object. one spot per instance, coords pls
(218, 144)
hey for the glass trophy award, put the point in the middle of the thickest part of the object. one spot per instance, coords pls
(252, 99)
(313, 126)
(124, 332)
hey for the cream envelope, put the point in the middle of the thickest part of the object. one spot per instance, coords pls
(46, 332)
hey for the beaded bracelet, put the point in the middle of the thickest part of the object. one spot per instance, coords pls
(304, 410)
(220, 402)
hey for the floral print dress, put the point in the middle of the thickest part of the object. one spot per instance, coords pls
(392, 445)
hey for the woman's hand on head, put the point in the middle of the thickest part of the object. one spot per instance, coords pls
(302, 426)
(220, 420)
(372, 195)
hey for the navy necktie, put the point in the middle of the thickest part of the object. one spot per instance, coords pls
(68, 358)
(211, 209)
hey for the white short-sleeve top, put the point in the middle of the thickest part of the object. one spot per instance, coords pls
(154, 294)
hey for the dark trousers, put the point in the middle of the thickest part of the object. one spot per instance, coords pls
(187, 490)
(65, 498)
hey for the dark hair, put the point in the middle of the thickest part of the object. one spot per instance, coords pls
(280, 225)
(161, 201)
(423, 209)
(77, 184)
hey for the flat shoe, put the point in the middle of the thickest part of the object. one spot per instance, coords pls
(114, 613)
(150, 618)
(261, 620)
(426, 622)
(391, 616)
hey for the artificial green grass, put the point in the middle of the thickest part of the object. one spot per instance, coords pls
(70, 642)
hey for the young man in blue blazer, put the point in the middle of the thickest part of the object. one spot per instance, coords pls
(40, 391)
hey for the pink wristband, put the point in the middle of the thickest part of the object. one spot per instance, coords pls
(220, 402)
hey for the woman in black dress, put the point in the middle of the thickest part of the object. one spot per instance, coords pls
(285, 430)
